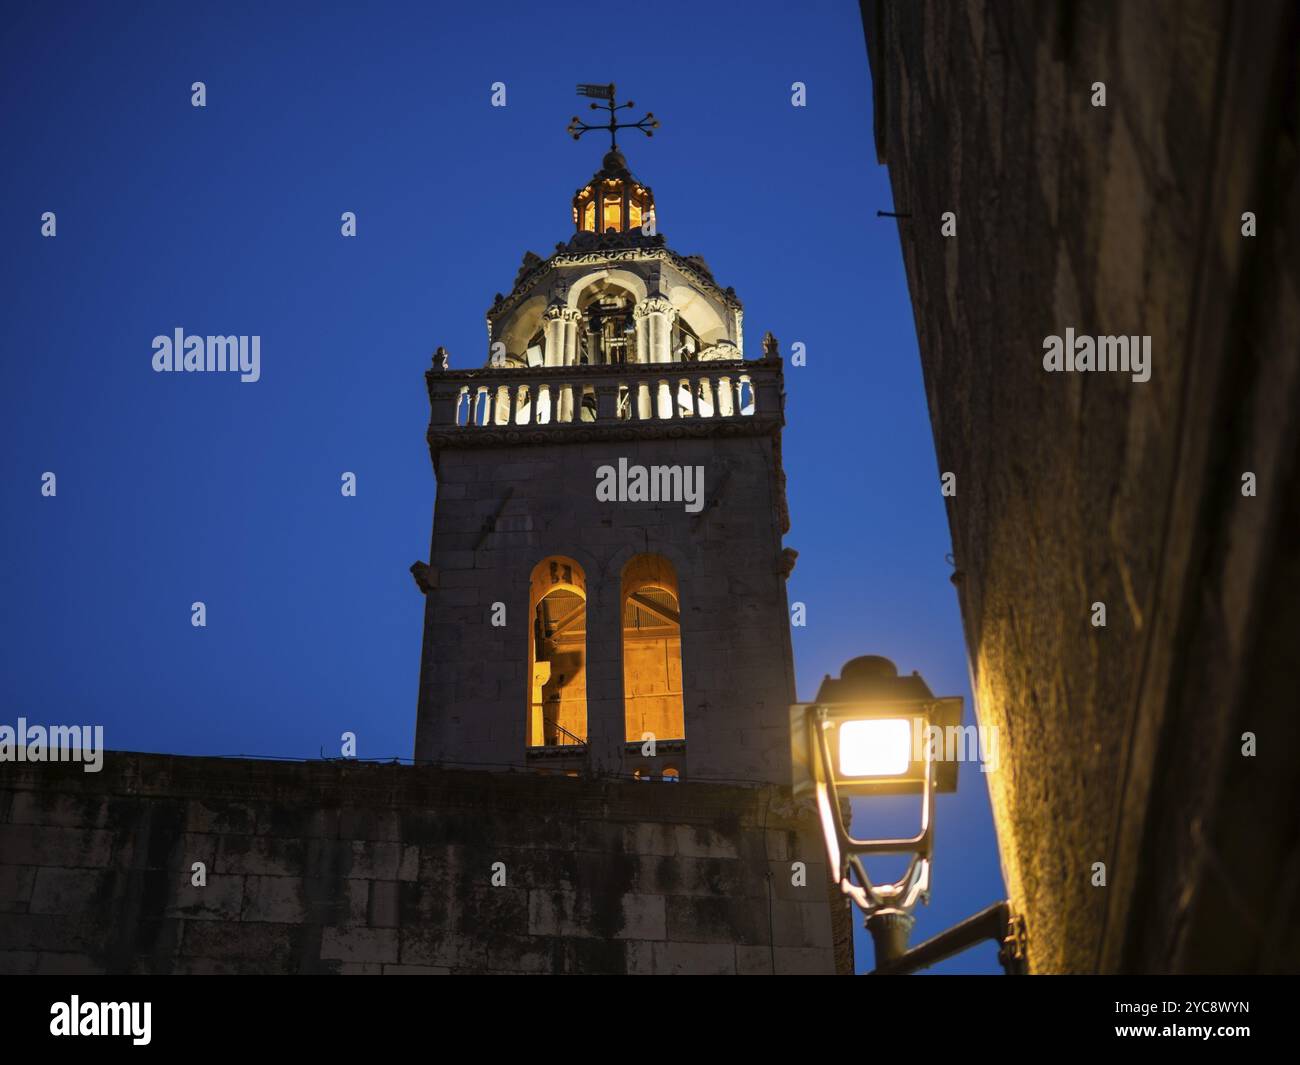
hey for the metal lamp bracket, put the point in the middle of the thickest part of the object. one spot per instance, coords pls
(914, 885)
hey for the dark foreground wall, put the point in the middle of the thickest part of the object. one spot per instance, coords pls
(1121, 746)
(358, 868)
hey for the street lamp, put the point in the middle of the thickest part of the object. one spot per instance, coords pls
(872, 732)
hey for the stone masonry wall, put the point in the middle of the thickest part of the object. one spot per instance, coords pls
(1122, 744)
(336, 867)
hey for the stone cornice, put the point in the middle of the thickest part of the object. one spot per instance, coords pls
(598, 255)
(444, 383)
(441, 438)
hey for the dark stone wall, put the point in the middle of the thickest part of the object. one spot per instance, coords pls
(345, 867)
(1120, 745)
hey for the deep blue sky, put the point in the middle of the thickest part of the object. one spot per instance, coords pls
(176, 488)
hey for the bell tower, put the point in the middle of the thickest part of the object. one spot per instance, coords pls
(605, 591)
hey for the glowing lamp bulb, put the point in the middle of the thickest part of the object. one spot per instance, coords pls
(875, 748)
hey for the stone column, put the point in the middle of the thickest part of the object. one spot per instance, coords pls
(572, 321)
(654, 317)
(554, 325)
(566, 324)
(605, 716)
(642, 333)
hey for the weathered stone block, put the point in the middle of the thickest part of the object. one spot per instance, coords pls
(672, 959)
(800, 924)
(375, 860)
(700, 841)
(645, 837)
(644, 917)
(383, 910)
(781, 846)
(56, 932)
(595, 957)
(695, 876)
(223, 818)
(49, 845)
(804, 961)
(58, 809)
(261, 855)
(221, 899)
(563, 913)
(16, 887)
(755, 961)
(361, 822)
(18, 962)
(717, 920)
(270, 943)
(299, 822)
(70, 891)
(524, 954)
(812, 876)
(358, 898)
(440, 947)
(58, 964)
(227, 966)
(359, 944)
(274, 898)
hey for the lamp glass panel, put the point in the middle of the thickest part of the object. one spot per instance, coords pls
(613, 210)
(875, 747)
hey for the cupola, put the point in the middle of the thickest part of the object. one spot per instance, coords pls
(613, 200)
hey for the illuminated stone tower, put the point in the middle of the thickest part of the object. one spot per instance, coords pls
(606, 563)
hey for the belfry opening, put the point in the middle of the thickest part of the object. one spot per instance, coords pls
(557, 655)
(652, 650)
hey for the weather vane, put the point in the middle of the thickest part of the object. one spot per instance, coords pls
(577, 127)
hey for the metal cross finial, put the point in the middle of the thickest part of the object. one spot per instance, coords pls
(578, 127)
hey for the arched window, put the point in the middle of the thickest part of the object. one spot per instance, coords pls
(652, 650)
(611, 205)
(557, 654)
(609, 331)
